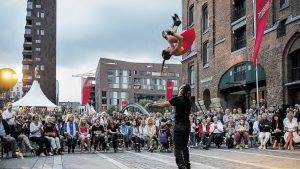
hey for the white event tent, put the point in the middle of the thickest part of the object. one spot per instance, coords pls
(34, 98)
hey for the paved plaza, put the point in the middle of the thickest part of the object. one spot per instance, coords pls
(212, 159)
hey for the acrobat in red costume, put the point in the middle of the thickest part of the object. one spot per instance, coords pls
(179, 44)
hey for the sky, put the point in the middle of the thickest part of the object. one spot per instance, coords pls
(128, 30)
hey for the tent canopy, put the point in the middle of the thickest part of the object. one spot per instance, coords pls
(34, 97)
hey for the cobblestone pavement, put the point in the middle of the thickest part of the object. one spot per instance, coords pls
(211, 159)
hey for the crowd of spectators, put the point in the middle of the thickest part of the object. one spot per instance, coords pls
(43, 132)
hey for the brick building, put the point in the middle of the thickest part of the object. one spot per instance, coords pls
(40, 47)
(219, 66)
(118, 81)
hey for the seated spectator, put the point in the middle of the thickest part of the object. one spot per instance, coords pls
(277, 128)
(242, 132)
(204, 129)
(113, 131)
(143, 133)
(71, 132)
(21, 132)
(264, 134)
(256, 130)
(290, 135)
(216, 131)
(52, 135)
(98, 135)
(36, 130)
(5, 135)
(124, 130)
(84, 136)
(137, 137)
(164, 134)
(230, 134)
(151, 135)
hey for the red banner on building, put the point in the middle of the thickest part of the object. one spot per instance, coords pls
(169, 91)
(124, 103)
(262, 14)
(86, 89)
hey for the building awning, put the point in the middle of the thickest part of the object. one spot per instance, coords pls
(241, 74)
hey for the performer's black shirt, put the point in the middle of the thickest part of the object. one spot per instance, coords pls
(182, 109)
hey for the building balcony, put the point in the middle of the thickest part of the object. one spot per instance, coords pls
(27, 61)
(26, 52)
(27, 81)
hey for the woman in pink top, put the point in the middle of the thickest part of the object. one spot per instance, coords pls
(84, 136)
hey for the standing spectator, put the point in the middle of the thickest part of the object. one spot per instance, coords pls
(277, 128)
(71, 132)
(5, 135)
(216, 131)
(264, 134)
(290, 135)
(192, 132)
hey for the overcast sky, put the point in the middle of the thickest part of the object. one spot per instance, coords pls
(89, 29)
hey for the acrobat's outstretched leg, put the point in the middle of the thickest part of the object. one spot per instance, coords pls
(176, 24)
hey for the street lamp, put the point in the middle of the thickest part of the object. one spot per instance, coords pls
(8, 79)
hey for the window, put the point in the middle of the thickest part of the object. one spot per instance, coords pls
(284, 3)
(295, 60)
(38, 49)
(28, 77)
(103, 93)
(27, 31)
(38, 32)
(25, 67)
(42, 14)
(38, 24)
(38, 14)
(240, 72)
(281, 29)
(239, 39)
(28, 13)
(191, 15)
(37, 59)
(38, 6)
(42, 67)
(205, 55)
(38, 41)
(239, 9)
(191, 74)
(42, 32)
(38, 76)
(29, 5)
(205, 18)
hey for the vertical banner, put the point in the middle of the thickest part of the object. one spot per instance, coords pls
(261, 15)
(124, 103)
(169, 91)
(86, 89)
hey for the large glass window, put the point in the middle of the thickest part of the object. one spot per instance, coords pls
(27, 31)
(284, 3)
(28, 13)
(29, 5)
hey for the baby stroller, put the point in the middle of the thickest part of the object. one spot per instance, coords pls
(164, 138)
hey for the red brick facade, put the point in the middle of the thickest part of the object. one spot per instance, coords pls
(273, 56)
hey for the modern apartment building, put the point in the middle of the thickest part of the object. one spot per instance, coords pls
(118, 81)
(39, 54)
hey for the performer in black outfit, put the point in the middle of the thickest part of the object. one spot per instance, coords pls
(182, 104)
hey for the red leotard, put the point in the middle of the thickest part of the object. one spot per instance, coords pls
(188, 40)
